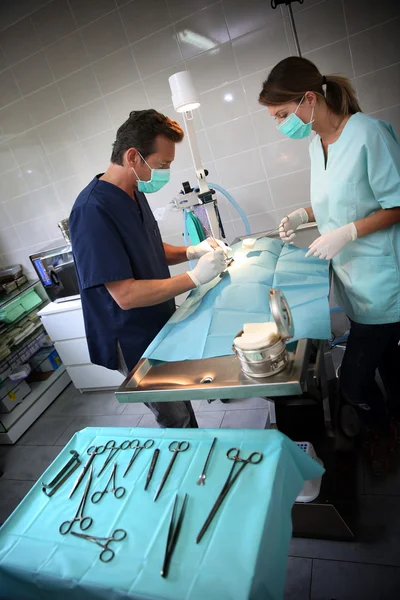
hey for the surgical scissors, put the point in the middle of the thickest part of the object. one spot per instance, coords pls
(138, 448)
(117, 491)
(174, 447)
(92, 451)
(84, 522)
(233, 454)
(114, 450)
(107, 553)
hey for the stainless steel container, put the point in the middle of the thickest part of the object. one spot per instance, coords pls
(64, 227)
(270, 358)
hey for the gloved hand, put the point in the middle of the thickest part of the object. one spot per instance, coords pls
(201, 249)
(209, 266)
(290, 223)
(331, 243)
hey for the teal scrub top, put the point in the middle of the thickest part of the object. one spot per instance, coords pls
(362, 176)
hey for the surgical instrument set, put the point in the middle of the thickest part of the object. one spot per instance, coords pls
(107, 553)
(138, 448)
(92, 451)
(174, 528)
(84, 522)
(174, 447)
(62, 476)
(118, 492)
(152, 467)
(202, 478)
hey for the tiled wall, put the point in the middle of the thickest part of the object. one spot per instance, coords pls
(71, 70)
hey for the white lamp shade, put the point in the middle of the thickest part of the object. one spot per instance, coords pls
(184, 95)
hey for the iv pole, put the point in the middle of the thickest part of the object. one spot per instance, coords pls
(275, 4)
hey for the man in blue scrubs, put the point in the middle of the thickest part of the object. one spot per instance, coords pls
(122, 263)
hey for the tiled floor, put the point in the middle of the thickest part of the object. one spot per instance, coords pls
(368, 569)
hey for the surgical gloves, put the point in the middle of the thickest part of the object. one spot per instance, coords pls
(330, 244)
(209, 266)
(290, 223)
(201, 249)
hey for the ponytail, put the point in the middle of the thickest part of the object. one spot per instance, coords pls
(291, 78)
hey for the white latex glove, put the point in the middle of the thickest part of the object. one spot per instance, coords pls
(290, 223)
(209, 266)
(331, 243)
(203, 248)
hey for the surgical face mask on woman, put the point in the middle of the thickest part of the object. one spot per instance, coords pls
(158, 178)
(294, 127)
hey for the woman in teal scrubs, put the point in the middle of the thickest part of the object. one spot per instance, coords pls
(355, 200)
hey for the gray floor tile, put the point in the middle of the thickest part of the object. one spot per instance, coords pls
(11, 494)
(148, 421)
(87, 404)
(28, 462)
(110, 421)
(135, 408)
(298, 579)
(45, 431)
(233, 404)
(251, 419)
(209, 420)
(377, 541)
(348, 581)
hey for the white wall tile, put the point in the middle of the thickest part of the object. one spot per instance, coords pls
(53, 21)
(157, 86)
(285, 156)
(265, 128)
(15, 119)
(252, 85)
(26, 147)
(141, 20)
(68, 160)
(36, 174)
(379, 89)
(57, 133)
(33, 73)
(240, 169)
(262, 48)
(67, 55)
(32, 232)
(223, 104)
(182, 8)
(7, 160)
(320, 25)
(104, 36)
(20, 41)
(334, 58)
(89, 10)
(122, 102)
(260, 223)
(98, 150)
(4, 62)
(243, 16)
(33, 204)
(12, 184)
(254, 198)
(68, 190)
(9, 240)
(203, 31)
(5, 220)
(90, 119)
(376, 48)
(116, 71)
(372, 13)
(79, 88)
(290, 190)
(232, 137)
(45, 104)
(214, 68)
(9, 91)
(156, 52)
(392, 116)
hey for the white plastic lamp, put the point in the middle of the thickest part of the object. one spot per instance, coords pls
(185, 99)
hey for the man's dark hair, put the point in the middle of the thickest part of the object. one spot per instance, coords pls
(140, 131)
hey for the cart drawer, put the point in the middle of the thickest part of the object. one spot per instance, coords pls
(73, 352)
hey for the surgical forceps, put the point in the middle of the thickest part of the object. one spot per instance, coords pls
(114, 449)
(84, 522)
(92, 451)
(138, 448)
(174, 447)
(107, 553)
(117, 491)
(232, 454)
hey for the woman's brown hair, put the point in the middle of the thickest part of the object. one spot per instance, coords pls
(291, 78)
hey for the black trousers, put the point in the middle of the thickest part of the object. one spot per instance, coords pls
(370, 348)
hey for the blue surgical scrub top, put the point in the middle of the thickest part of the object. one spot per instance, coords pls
(362, 176)
(114, 238)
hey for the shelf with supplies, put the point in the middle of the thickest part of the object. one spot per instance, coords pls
(21, 339)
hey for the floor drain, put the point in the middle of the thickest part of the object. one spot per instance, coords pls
(207, 379)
